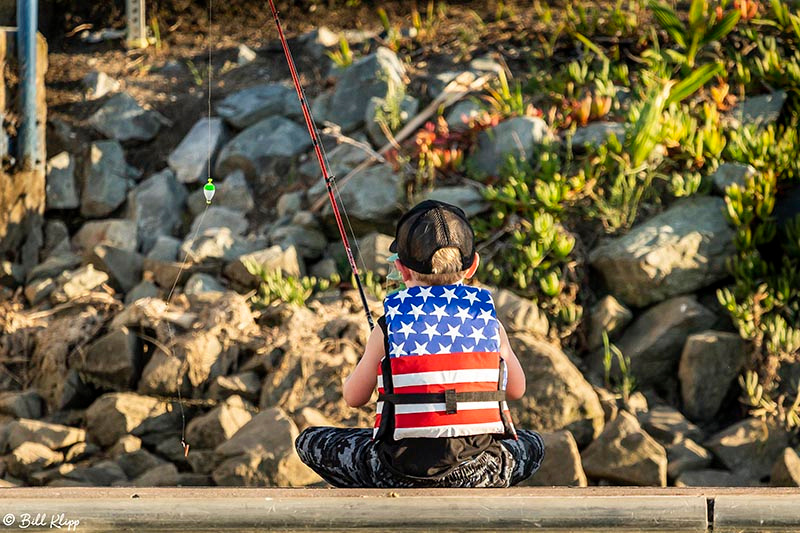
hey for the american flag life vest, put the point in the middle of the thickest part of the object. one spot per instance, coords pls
(442, 375)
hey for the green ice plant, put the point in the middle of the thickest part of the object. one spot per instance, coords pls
(627, 383)
(701, 28)
(343, 57)
(274, 287)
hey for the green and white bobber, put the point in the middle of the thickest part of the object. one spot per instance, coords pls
(208, 191)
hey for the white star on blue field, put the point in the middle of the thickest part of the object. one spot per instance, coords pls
(441, 319)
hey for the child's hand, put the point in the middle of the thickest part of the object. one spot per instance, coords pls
(358, 387)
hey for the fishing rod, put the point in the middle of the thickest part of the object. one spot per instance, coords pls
(322, 158)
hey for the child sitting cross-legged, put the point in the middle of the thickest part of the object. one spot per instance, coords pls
(444, 369)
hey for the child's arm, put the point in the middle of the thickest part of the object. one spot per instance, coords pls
(358, 388)
(515, 388)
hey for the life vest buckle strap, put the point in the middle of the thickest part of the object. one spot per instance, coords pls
(441, 397)
(450, 402)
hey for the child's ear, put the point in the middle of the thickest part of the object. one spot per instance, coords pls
(474, 267)
(405, 272)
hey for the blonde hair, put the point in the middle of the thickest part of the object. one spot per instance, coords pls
(446, 268)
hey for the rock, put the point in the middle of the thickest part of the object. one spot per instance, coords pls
(61, 192)
(45, 477)
(786, 470)
(144, 289)
(654, 341)
(563, 464)
(263, 150)
(30, 457)
(668, 426)
(626, 454)
(204, 355)
(467, 198)
(216, 244)
(200, 283)
(247, 385)
(80, 451)
(136, 463)
(262, 454)
(78, 283)
(273, 258)
(202, 461)
(485, 64)
(686, 455)
(165, 248)
(610, 316)
(114, 361)
(53, 266)
(750, 447)
(373, 197)
(206, 137)
(116, 414)
(163, 375)
(514, 137)
(310, 417)
(462, 113)
(219, 424)
(366, 78)
(375, 253)
(123, 267)
(56, 239)
(676, 252)
(11, 274)
(710, 362)
(106, 181)
(220, 217)
(519, 314)
(244, 108)
(121, 118)
(759, 110)
(26, 404)
(711, 478)
(557, 396)
(164, 475)
(324, 269)
(156, 205)
(98, 84)
(54, 436)
(244, 55)
(408, 110)
(731, 173)
(290, 203)
(102, 474)
(120, 233)
(233, 193)
(342, 158)
(125, 444)
(597, 133)
(309, 242)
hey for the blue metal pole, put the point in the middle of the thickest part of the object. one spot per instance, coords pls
(27, 22)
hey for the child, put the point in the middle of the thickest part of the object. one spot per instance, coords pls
(444, 368)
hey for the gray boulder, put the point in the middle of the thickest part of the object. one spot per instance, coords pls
(25, 404)
(123, 119)
(244, 108)
(124, 267)
(165, 248)
(668, 425)
(61, 191)
(98, 84)
(155, 205)
(136, 463)
(557, 395)
(310, 242)
(597, 133)
(164, 475)
(607, 315)
(373, 197)
(219, 217)
(686, 455)
(467, 198)
(366, 78)
(190, 159)
(625, 453)
(759, 110)
(116, 414)
(163, 375)
(654, 341)
(408, 109)
(106, 181)
(102, 474)
(676, 252)
(246, 384)
(460, 114)
(263, 150)
(518, 314)
(119, 233)
(290, 203)
(53, 266)
(113, 361)
(786, 470)
(219, 244)
(144, 289)
(54, 436)
(375, 252)
(563, 467)
(200, 283)
(710, 362)
(31, 457)
(342, 158)
(515, 137)
(273, 258)
(729, 174)
(77, 283)
(233, 193)
(712, 478)
(750, 447)
(221, 423)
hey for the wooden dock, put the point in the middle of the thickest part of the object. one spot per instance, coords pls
(594, 509)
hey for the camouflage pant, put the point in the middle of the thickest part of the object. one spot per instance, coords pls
(348, 458)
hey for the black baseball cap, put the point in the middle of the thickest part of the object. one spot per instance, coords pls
(430, 226)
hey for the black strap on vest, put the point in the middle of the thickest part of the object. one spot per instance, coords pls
(443, 397)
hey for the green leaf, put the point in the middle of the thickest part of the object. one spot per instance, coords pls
(696, 10)
(694, 81)
(646, 130)
(590, 45)
(724, 27)
(668, 20)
